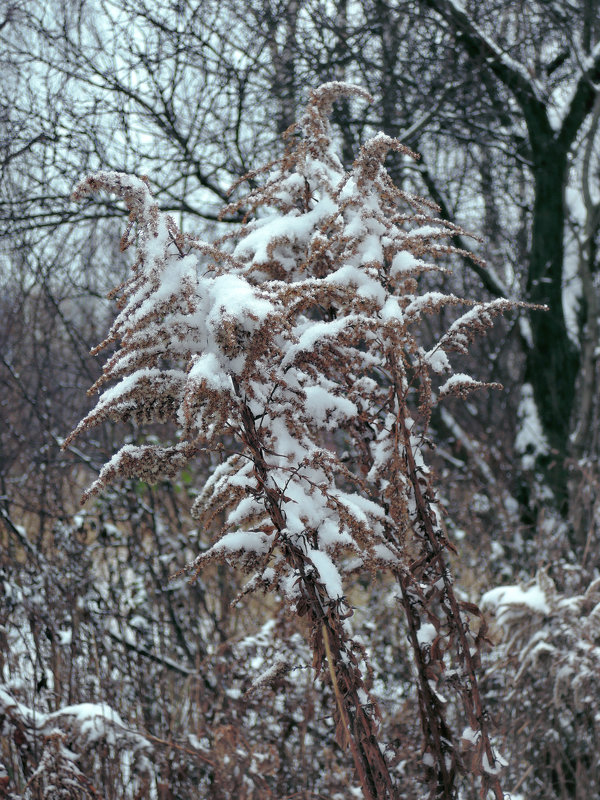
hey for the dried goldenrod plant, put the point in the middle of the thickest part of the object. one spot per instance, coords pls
(296, 337)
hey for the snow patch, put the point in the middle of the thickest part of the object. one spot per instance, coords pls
(530, 441)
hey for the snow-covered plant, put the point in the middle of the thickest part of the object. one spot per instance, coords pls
(43, 750)
(546, 673)
(292, 350)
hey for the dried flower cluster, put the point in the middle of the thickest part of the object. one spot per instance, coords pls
(291, 347)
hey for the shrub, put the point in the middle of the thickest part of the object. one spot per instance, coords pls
(292, 350)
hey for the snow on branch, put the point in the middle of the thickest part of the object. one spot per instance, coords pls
(297, 337)
(58, 739)
(511, 72)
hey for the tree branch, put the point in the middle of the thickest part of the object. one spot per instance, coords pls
(507, 70)
(583, 99)
(488, 278)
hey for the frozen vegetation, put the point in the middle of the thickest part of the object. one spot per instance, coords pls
(340, 517)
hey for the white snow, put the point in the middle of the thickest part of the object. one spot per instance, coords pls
(404, 262)
(270, 229)
(530, 441)
(458, 381)
(316, 332)
(207, 369)
(496, 768)
(326, 409)
(437, 359)
(92, 719)
(426, 634)
(248, 541)
(427, 302)
(328, 573)
(65, 636)
(232, 296)
(471, 735)
(503, 597)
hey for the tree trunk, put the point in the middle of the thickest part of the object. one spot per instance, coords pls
(552, 363)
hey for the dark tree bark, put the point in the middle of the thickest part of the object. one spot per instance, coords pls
(552, 359)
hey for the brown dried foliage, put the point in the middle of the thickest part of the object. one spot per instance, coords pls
(349, 259)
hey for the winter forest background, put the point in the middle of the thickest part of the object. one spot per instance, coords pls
(118, 680)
